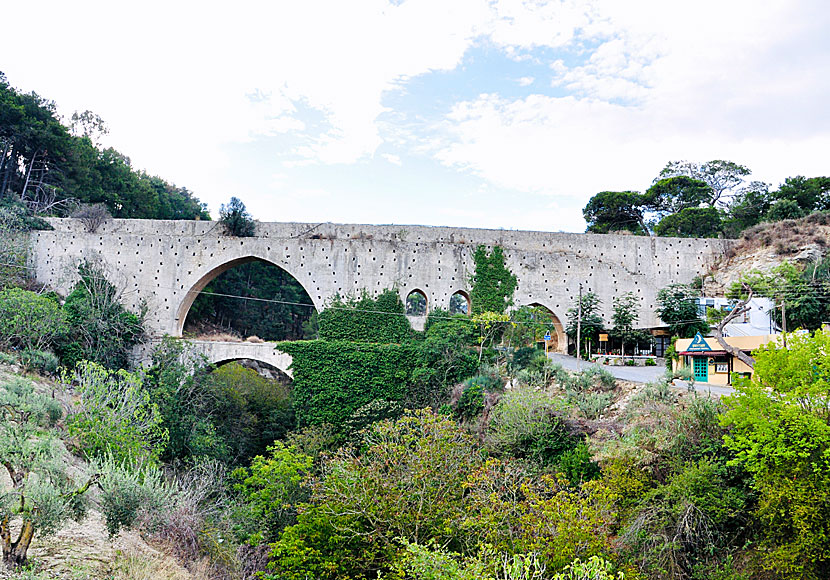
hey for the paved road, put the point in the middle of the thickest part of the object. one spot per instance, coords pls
(636, 374)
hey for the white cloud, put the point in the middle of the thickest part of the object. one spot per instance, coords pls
(526, 81)
(393, 159)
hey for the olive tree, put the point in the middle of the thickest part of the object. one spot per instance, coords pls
(41, 495)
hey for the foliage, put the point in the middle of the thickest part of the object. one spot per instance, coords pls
(92, 216)
(677, 307)
(230, 414)
(114, 415)
(48, 167)
(805, 293)
(471, 403)
(592, 323)
(269, 492)
(332, 379)
(672, 195)
(130, 490)
(29, 320)
(594, 568)
(724, 178)
(43, 362)
(491, 327)
(400, 487)
(780, 431)
(41, 495)
(528, 424)
(624, 317)
(236, 220)
(808, 194)
(528, 326)
(15, 247)
(691, 222)
(102, 330)
(784, 209)
(615, 211)
(250, 411)
(492, 284)
(365, 319)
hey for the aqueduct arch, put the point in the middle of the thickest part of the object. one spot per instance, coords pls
(559, 340)
(190, 296)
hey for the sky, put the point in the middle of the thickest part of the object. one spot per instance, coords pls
(471, 113)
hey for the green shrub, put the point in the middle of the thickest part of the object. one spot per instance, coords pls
(592, 378)
(29, 320)
(527, 424)
(7, 358)
(43, 362)
(590, 404)
(523, 357)
(236, 219)
(130, 491)
(102, 330)
(650, 362)
(577, 465)
(114, 415)
(471, 403)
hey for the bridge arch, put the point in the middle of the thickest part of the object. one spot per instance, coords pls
(416, 303)
(219, 353)
(199, 284)
(559, 340)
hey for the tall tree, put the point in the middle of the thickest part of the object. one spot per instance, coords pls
(614, 211)
(674, 194)
(624, 317)
(725, 178)
(677, 307)
(591, 320)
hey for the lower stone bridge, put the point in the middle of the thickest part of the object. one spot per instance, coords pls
(220, 352)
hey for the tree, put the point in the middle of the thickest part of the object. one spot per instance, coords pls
(624, 317)
(42, 494)
(674, 194)
(492, 284)
(724, 178)
(592, 323)
(102, 330)
(236, 219)
(746, 208)
(810, 194)
(114, 416)
(615, 211)
(785, 209)
(691, 222)
(779, 429)
(677, 307)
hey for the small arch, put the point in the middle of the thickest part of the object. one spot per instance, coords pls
(460, 303)
(558, 341)
(416, 303)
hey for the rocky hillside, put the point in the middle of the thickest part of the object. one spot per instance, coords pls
(803, 241)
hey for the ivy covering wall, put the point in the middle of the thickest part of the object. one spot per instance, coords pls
(492, 283)
(332, 379)
(364, 319)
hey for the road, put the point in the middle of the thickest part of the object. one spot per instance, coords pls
(636, 374)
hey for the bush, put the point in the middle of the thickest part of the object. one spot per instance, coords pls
(527, 424)
(43, 362)
(101, 329)
(130, 491)
(590, 405)
(114, 415)
(29, 320)
(650, 362)
(471, 403)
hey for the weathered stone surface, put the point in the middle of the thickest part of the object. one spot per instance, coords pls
(166, 263)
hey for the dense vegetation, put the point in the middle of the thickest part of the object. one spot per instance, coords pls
(50, 168)
(704, 200)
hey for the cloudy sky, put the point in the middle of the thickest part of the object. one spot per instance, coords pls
(485, 113)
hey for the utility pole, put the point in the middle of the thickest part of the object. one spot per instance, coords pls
(579, 327)
(784, 320)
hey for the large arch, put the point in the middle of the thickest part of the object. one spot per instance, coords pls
(559, 340)
(190, 296)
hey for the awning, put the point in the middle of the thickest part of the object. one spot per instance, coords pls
(703, 353)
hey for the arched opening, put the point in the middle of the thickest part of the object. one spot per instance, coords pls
(247, 298)
(545, 315)
(264, 369)
(460, 303)
(416, 303)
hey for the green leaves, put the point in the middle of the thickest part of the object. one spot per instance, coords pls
(492, 283)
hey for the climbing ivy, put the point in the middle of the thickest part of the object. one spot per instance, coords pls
(492, 283)
(365, 319)
(332, 379)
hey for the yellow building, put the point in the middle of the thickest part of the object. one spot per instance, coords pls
(710, 363)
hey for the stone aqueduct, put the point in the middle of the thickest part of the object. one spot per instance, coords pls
(166, 263)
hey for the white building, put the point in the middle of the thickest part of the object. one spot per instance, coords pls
(758, 321)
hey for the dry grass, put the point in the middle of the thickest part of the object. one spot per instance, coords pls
(787, 236)
(140, 567)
